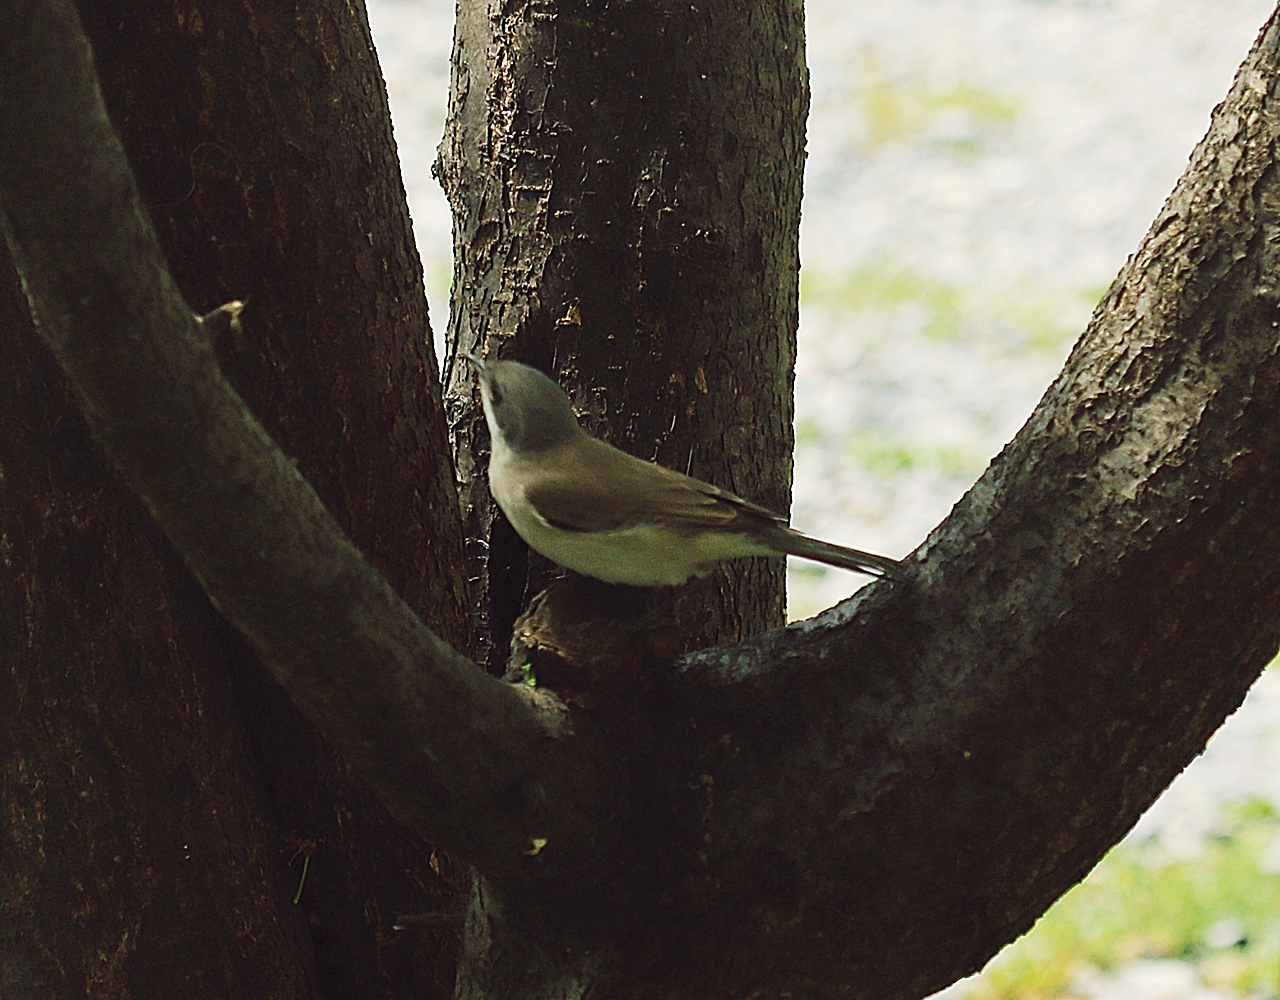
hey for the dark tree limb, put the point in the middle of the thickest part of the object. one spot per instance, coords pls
(903, 785)
(872, 804)
(261, 143)
(453, 752)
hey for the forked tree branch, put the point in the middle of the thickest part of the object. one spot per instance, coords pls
(919, 774)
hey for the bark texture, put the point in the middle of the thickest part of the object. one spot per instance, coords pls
(138, 856)
(867, 805)
(904, 785)
(872, 804)
(262, 144)
(625, 182)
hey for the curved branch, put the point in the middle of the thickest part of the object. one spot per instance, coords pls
(455, 754)
(902, 786)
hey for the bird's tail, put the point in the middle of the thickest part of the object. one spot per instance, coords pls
(796, 544)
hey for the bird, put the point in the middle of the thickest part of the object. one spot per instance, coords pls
(595, 510)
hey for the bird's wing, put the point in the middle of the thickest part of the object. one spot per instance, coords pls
(608, 490)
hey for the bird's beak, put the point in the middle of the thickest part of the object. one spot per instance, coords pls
(477, 362)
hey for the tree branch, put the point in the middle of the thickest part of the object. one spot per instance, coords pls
(922, 770)
(457, 755)
(902, 786)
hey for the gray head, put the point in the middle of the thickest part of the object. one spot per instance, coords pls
(528, 409)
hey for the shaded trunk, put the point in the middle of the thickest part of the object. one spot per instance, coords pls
(867, 805)
(626, 190)
(872, 806)
(163, 813)
(140, 856)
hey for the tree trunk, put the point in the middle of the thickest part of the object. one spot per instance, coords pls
(263, 148)
(140, 857)
(866, 805)
(872, 806)
(626, 190)
(897, 789)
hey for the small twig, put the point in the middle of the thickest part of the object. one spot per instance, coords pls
(444, 918)
(304, 848)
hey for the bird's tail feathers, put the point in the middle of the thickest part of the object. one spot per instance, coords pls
(797, 544)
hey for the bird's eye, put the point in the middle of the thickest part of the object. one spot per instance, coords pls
(495, 394)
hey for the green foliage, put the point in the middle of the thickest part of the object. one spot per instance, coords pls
(886, 456)
(1219, 911)
(527, 676)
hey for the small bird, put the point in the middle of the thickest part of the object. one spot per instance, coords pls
(598, 511)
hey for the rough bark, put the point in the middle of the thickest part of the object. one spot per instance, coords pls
(625, 182)
(262, 146)
(868, 805)
(872, 804)
(264, 150)
(899, 788)
(138, 857)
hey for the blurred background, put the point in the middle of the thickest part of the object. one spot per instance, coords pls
(978, 172)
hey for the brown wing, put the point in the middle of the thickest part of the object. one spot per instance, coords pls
(599, 488)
